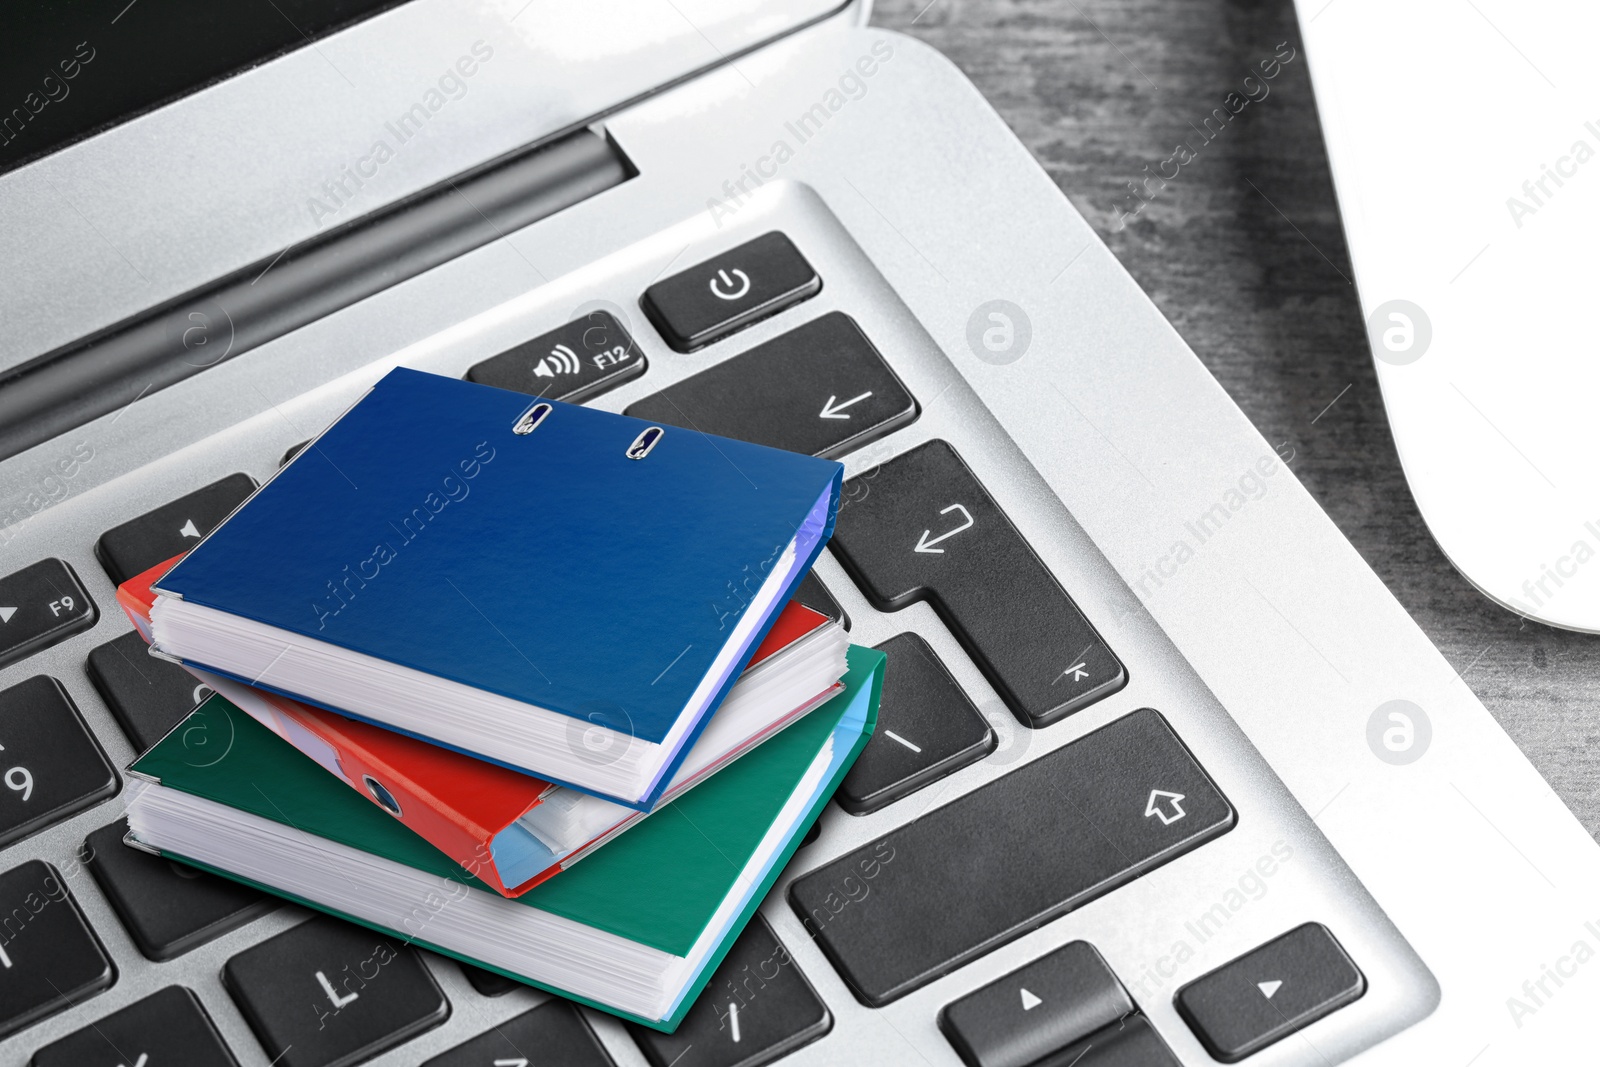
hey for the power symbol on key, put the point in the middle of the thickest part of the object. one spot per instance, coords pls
(724, 287)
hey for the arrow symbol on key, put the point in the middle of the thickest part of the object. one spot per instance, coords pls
(6, 613)
(833, 410)
(1160, 800)
(1269, 988)
(925, 545)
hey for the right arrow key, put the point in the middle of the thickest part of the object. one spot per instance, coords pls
(1270, 992)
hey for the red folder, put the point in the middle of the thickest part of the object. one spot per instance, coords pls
(457, 803)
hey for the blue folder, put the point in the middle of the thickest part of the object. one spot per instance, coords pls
(551, 567)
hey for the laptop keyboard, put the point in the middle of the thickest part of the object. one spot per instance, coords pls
(981, 812)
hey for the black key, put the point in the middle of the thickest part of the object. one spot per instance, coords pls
(552, 1033)
(728, 292)
(489, 983)
(756, 1008)
(50, 766)
(49, 957)
(139, 544)
(329, 993)
(39, 605)
(1055, 1001)
(168, 1027)
(991, 865)
(294, 450)
(1270, 992)
(575, 362)
(921, 527)
(927, 728)
(820, 389)
(169, 908)
(814, 595)
(812, 834)
(149, 696)
(1131, 1043)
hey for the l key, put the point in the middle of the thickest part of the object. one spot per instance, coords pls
(921, 527)
(820, 389)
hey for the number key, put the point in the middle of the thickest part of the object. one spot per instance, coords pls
(39, 605)
(50, 767)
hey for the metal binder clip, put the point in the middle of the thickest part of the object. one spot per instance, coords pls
(644, 443)
(531, 419)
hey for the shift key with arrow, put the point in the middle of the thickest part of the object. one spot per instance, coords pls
(820, 389)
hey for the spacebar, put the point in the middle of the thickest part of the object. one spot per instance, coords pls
(988, 867)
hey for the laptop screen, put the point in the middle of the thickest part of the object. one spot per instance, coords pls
(70, 68)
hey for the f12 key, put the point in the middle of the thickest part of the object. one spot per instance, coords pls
(922, 527)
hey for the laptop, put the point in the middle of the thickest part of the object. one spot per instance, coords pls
(1163, 775)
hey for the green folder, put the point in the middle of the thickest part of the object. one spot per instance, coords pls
(658, 885)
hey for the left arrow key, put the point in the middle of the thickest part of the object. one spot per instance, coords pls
(39, 605)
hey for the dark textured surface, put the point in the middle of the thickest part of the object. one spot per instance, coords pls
(1243, 253)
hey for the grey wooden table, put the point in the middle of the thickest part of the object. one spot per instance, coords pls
(1244, 254)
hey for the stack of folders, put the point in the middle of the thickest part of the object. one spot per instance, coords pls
(466, 639)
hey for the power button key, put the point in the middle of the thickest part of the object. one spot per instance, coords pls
(728, 292)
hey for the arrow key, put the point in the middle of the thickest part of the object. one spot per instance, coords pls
(821, 389)
(1032, 1012)
(1270, 992)
(39, 605)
